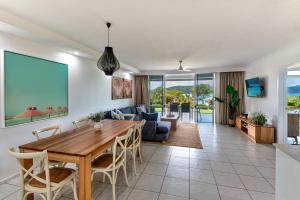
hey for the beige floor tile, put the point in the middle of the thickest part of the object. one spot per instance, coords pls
(222, 167)
(228, 179)
(170, 197)
(176, 187)
(156, 169)
(203, 191)
(6, 190)
(246, 170)
(257, 184)
(261, 196)
(202, 175)
(142, 195)
(177, 172)
(149, 182)
(200, 164)
(229, 193)
(267, 172)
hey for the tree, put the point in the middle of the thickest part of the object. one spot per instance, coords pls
(204, 91)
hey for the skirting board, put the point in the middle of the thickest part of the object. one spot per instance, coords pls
(9, 178)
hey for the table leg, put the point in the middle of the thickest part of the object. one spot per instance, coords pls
(27, 163)
(85, 183)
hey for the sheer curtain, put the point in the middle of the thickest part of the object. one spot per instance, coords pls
(237, 80)
(141, 90)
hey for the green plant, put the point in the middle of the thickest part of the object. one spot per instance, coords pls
(233, 101)
(259, 118)
(97, 117)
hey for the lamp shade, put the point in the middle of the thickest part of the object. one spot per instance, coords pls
(108, 62)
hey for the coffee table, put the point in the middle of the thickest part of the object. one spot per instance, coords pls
(173, 121)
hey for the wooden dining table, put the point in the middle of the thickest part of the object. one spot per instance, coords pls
(81, 146)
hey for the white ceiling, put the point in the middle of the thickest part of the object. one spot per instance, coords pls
(154, 34)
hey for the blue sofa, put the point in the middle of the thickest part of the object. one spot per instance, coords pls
(152, 131)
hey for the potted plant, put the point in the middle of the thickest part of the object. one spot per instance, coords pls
(96, 118)
(232, 103)
(259, 118)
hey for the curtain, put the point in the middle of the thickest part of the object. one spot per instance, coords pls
(236, 79)
(141, 90)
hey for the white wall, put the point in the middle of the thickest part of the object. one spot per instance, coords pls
(89, 91)
(271, 67)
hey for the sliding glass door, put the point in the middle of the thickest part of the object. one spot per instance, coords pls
(205, 97)
(156, 91)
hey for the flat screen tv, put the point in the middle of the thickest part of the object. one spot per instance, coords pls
(254, 87)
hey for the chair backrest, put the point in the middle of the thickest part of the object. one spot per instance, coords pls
(40, 164)
(49, 131)
(121, 141)
(137, 133)
(185, 107)
(81, 122)
(174, 107)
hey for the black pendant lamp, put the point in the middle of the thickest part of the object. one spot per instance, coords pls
(108, 62)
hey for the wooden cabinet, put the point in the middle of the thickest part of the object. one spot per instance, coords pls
(257, 133)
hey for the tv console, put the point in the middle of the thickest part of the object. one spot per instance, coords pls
(256, 133)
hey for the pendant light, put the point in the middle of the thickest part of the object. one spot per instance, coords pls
(108, 62)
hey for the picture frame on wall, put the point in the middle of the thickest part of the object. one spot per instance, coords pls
(32, 89)
(121, 88)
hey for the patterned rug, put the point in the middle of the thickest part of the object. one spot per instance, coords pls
(186, 135)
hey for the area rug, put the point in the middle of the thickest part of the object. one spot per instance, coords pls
(186, 135)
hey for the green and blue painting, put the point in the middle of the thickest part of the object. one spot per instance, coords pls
(35, 89)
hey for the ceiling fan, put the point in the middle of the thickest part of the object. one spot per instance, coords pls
(181, 69)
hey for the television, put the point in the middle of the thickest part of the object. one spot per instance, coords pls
(254, 87)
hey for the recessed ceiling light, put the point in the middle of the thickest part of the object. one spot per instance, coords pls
(130, 72)
(76, 53)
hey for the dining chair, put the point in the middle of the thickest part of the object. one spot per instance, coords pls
(110, 163)
(134, 145)
(81, 122)
(174, 107)
(186, 108)
(46, 132)
(45, 182)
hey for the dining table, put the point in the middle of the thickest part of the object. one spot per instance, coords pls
(81, 146)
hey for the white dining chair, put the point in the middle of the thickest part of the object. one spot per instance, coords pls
(47, 132)
(134, 145)
(43, 181)
(81, 122)
(111, 162)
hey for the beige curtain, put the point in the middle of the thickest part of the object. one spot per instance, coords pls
(141, 90)
(237, 80)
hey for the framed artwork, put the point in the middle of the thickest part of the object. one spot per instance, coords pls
(32, 89)
(127, 89)
(117, 88)
(121, 88)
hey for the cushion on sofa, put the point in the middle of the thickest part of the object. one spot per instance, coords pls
(162, 129)
(149, 116)
(126, 110)
(133, 110)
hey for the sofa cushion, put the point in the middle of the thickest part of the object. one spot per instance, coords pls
(162, 129)
(107, 115)
(120, 114)
(133, 110)
(141, 108)
(115, 115)
(126, 110)
(149, 116)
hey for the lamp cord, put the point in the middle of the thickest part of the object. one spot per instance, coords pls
(108, 36)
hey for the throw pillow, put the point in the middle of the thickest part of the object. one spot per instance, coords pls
(141, 108)
(115, 115)
(150, 116)
(121, 116)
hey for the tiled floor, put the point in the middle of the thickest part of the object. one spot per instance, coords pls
(230, 167)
